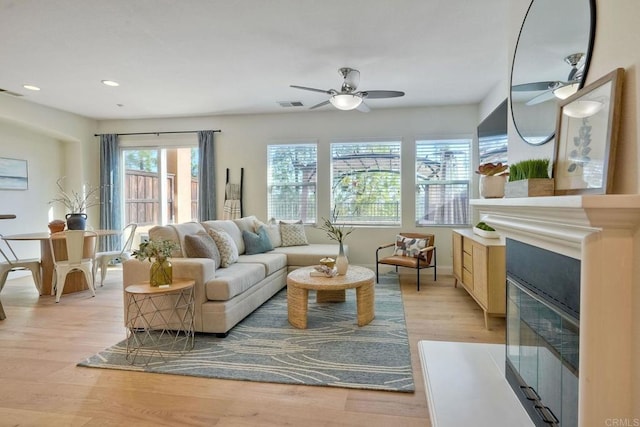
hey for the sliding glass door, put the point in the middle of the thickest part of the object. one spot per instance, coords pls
(160, 185)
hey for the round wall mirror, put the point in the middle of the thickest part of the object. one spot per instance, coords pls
(550, 63)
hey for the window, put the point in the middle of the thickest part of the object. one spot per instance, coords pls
(146, 200)
(365, 182)
(443, 170)
(291, 182)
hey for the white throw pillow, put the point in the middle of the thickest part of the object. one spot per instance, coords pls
(273, 231)
(226, 247)
(293, 234)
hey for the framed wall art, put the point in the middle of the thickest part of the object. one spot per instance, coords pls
(13, 174)
(586, 136)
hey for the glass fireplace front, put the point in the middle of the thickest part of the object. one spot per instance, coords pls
(542, 362)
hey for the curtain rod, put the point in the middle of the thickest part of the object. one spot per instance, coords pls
(156, 133)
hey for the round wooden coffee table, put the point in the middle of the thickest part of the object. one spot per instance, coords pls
(330, 289)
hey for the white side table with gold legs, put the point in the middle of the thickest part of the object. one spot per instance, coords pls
(160, 320)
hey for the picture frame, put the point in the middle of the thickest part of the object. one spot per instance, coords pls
(586, 135)
(14, 174)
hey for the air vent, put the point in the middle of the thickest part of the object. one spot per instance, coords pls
(287, 104)
(8, 92)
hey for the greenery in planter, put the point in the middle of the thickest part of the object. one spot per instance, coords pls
(529, 169)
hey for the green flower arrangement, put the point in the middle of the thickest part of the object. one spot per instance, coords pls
(158, 250)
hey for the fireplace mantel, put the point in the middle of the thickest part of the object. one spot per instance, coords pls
(603, 231)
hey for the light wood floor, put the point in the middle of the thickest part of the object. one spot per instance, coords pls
(41, 342)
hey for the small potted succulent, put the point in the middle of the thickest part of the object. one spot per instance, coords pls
(493, 177)
(530, 178)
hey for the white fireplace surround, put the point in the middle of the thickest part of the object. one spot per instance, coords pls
(603, 231)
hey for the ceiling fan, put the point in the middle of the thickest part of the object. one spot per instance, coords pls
(347, 98)
(556, 88)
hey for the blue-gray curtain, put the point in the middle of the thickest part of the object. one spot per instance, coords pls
(206, 177)
(110, 190)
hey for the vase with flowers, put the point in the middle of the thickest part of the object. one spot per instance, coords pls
(76, 204)
(158, 253)
(339, 233)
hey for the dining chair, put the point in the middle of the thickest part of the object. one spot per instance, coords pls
(79, 255)
(13, 263)
(104, 258)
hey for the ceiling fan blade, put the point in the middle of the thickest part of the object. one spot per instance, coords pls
(545, 96)
(536, 86)
(364, 108)
(377, 94)
(319, 105)
(311, 89)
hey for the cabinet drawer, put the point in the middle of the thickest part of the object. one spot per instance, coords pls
(467, 244)
(467, 261)
(467, 278)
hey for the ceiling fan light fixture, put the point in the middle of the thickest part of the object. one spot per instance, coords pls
(563, 92)
(345, 101)
(582, 108)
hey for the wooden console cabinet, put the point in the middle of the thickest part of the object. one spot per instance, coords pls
(479, 264)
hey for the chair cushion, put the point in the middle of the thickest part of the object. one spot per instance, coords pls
(293, 234)
(409, 246)
(202, 245)
(226, 247)
(256, 243)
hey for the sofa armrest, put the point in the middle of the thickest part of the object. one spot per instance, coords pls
(201, 270)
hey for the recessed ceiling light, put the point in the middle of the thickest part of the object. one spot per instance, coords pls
(31, 87)
(110, 83)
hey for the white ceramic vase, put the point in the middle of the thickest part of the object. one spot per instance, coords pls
(342, 262)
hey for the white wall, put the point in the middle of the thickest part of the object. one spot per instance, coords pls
(616, 45)
(244, 139)
(55, 144)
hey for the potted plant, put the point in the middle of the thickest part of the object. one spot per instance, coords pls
(76, 204)
(529, 178)
(157, 252)
(338, 233)
(493, 177)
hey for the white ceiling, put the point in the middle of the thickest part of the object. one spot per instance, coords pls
(204, 57)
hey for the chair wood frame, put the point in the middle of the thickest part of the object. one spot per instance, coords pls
(426, 259)
(78, 258)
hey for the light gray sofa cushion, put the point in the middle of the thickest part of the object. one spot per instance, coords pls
(231, 228)
(299, 256)
(233, 280)
(271, 261)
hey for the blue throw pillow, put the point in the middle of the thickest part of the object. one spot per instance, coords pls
(256, 243)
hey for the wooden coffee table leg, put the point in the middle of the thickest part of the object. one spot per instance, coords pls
(365, 297)
(297, 301)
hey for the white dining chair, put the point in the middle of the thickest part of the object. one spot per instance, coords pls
(80, 256)
(13, 263)
(104, 258)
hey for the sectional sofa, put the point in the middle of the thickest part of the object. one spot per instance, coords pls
(227, 290)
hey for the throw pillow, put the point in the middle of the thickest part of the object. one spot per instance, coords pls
(256, 243)
(409, 246)
(293, 234)
(273, 230)
(226, 246)
(202, 245)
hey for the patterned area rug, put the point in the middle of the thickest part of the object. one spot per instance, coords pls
(332, 351)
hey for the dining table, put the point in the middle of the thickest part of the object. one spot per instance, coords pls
(75, 281)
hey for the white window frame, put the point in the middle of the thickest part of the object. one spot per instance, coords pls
(454, 209)
(376, 218)
(310, 216)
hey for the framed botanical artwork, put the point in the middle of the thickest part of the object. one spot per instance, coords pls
(586, 135)
(13, 174)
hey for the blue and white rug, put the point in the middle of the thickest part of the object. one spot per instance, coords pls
(332, 351)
